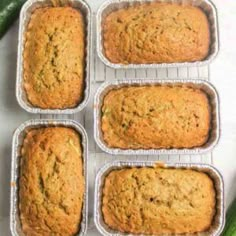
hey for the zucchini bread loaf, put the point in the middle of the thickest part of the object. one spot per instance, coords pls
(156, 33)
(158, 201)
(156, 117)
(51, 185)
(54, 58)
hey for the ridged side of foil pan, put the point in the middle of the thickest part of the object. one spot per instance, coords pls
(17, 142)
(25, 15)
(193, 83)
(111, 5)
(219, 218)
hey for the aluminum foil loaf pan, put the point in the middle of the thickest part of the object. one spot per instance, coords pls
(17, 142)
(219, 218)
(25, 15)
(192, 83)
(112, 5)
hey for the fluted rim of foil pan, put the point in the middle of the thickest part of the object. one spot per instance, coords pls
(17, 140)
(215, 175)
(206, 86)
(21, 96)
(206, 5)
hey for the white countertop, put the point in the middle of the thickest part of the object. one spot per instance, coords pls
(222, 75)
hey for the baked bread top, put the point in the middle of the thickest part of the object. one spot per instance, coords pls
(145, 117)
(156, 33)
(158, 201)
(54, 58)
(51, 184)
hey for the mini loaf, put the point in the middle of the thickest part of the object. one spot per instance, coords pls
(51, 184)
(54, 58)
(158, 201)
(145, 117)
(156, 33)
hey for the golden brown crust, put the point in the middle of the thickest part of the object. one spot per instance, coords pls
(155, 117)
(54, 58)
(158, 201)
(156, 33)
(51, 185)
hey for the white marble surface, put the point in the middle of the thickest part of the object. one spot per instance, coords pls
(222, 74)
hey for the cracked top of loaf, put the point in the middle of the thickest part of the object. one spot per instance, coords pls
(158, 201)
(51, 184)
(54, 58)
(156, 33)
(144, 117)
